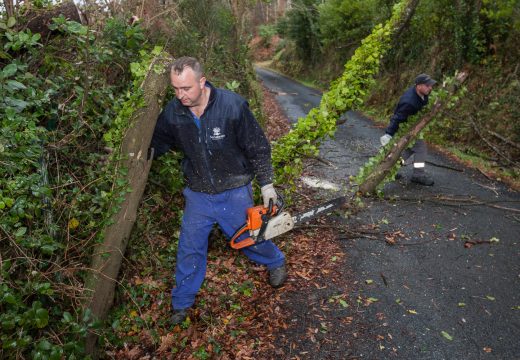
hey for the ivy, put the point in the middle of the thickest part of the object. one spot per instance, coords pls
(55, 104)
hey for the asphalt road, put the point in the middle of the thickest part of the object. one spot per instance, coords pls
(433, 298)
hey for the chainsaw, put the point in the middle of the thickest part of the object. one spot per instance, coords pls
(264, 223)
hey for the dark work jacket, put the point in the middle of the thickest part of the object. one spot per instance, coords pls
(228, 150)
(409, 104)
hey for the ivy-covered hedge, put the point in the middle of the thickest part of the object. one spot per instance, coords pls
(57, 102)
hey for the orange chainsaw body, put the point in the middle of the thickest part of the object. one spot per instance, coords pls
(254, 222)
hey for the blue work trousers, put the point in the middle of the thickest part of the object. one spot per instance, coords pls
(417, 153)
(202, 211)
(418, 150)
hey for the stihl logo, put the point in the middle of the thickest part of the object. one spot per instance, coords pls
(216, 134)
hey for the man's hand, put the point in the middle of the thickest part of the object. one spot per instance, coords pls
(268, 192)
(385, 139)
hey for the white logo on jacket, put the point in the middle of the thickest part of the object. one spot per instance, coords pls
(216, 134)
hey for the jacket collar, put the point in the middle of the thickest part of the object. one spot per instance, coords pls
(180, 109)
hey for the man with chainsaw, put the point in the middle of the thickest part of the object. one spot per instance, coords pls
(410, 103)
(224, 148)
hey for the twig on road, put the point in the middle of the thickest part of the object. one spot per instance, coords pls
(450, 201)
(445, 166)
(487, 187)
(384, 279)
(317, 158)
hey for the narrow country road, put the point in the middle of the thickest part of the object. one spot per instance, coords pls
(442, 271)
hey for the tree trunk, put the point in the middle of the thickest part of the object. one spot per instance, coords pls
(410, 11)
(9, 9)
(108, 255)
(393, 154)
(38, 20)
(239, 11)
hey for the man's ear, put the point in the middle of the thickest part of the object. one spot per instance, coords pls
(202, 82)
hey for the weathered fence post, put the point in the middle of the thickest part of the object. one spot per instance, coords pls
(107, 257)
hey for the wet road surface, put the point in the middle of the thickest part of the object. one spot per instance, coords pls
(436, 298)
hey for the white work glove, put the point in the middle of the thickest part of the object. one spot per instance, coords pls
(385, 139)
(268, 192)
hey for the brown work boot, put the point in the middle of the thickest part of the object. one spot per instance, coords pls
(277, 276)
(179, 316)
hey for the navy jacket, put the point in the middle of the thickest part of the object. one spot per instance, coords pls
(409, 104)
(228, 149)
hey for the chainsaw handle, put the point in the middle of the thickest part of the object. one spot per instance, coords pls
(257, 219)
(270, 207)
(244, 243)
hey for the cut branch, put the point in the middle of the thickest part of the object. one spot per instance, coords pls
(393, 154)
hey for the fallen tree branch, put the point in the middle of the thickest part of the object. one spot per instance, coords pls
(500, 137)
(108, 254)
(489, 144)
(394, 153)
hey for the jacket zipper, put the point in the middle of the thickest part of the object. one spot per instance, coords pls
(207, 150)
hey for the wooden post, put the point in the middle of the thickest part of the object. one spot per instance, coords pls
(107, 257)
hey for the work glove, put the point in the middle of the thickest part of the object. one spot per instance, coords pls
(268, 192)
(385, 139)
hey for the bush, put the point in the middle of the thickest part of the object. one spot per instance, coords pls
(266, 33)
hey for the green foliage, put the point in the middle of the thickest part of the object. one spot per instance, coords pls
(346, 92)
(16, 41)
(446, 31)
(504, 15)
(322, 34)
(301, 26)
(266, 32)
(344, 22)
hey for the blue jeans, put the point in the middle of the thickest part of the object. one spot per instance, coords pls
(201, 212)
